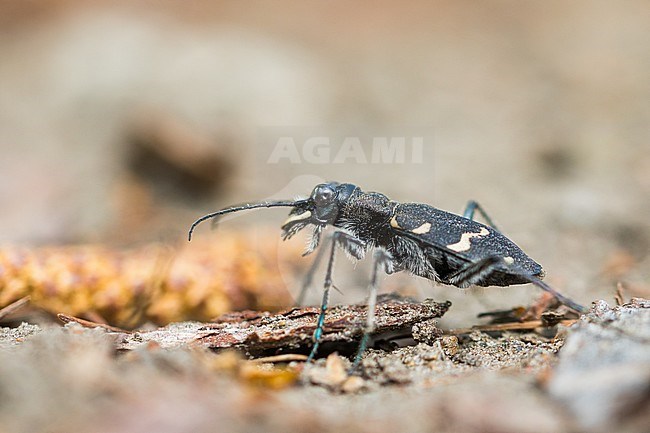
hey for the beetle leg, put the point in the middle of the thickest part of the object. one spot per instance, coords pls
(352, 246)
(309, 276)
(474, 272)
(560, 297)
(381, 259)
(473, 206)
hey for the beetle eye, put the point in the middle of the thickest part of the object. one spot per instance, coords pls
(324, 196)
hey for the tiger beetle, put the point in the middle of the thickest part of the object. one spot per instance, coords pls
(414, 237)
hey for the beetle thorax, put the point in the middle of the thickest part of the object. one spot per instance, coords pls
(366, 214)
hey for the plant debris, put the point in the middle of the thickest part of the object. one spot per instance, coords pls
(155, 283)
(13, 307)
(263, 333)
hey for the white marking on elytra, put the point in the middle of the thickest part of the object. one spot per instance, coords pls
(300, 217)
(508, 260)
(424, 228)
(394, 223)
(463, 244)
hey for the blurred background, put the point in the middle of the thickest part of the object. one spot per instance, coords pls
(121, 122)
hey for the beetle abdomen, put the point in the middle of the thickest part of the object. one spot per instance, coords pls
(452, 241)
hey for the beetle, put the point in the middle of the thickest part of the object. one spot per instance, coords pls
(413, 237)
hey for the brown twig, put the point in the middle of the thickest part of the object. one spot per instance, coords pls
(13, 307)
(288, 357)
(618, 296)
(523, 326)
(88, 324)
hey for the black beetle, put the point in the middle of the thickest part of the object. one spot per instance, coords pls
(418, 238)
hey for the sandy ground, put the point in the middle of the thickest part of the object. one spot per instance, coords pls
(592, 376)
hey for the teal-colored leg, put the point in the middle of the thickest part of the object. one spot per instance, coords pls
(472, 207)
(318, 333)
(356, 248)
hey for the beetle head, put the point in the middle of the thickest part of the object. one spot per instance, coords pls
(320, 209)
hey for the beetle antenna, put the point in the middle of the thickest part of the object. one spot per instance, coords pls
(244, 206)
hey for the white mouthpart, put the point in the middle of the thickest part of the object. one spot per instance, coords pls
(302, 216)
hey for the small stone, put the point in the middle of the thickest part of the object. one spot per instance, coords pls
(353, 384)
(333, 375)
(426, 332)
(449, 345)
